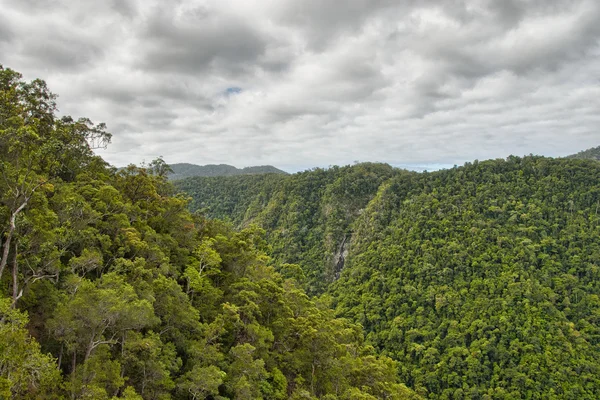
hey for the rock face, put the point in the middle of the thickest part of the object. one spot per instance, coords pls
(340, 257)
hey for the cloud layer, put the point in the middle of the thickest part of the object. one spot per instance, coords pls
(310, 83)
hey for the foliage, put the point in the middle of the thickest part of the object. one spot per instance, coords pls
(25, 372)
(307, 216)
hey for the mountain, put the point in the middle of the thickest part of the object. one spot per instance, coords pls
(483, 281)
(181, 171)
(589, 154)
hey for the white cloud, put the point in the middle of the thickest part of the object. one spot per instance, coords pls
(322, 82)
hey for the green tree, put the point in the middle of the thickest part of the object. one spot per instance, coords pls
(98, 313)
(25, 372)
(201, 382)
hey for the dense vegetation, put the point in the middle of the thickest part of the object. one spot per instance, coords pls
(307, 216)
(482, 280)
(184, 170)
(589, 154)
(110, 288)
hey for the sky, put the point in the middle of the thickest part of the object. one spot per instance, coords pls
(312, 83)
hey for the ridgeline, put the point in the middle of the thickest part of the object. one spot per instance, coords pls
(183, 170)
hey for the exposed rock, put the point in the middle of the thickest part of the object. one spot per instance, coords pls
(340, 258)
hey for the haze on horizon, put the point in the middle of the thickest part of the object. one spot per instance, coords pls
(299, 84)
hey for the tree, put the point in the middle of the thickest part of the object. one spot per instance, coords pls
(245, 373)
(201, 382)
(36, 150)
(98, 313)
(148, 363)
(25, 372)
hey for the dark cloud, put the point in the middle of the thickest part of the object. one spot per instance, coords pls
(322, 22)
(61, 53)
(37, 6)
(127, 8)
(6, 32)
(200, 40)
(418, 82)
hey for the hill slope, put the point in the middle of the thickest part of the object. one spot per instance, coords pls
(589, 154)
(483, 280)
(307, 216)
(183, 170)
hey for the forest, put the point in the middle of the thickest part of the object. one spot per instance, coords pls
(480, 280)
(589, 154)
(112, 288)
(354, 282)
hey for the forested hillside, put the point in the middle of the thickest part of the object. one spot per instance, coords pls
(589, 154)
(307, 216)
(482, 280)
(111, 288)
(184, 170)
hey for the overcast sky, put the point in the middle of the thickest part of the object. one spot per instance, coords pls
(304, 83)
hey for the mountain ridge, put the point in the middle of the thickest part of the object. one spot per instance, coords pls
(589, 154)
(187, 170)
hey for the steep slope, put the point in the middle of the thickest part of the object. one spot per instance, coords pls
(230, 198)
(484, 280)
(589, 154)
(307, 216)
(184, 170)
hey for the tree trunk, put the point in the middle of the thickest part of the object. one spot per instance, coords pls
(15, 277)
(123, 355)
(9, 235)
(74, 362)
(90, 348)
(312, 380)
(60, 354)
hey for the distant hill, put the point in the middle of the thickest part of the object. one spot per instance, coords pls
(589, 154)
(185, 170)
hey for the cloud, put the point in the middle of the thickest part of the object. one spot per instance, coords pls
(192, 40)
(311, 83)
